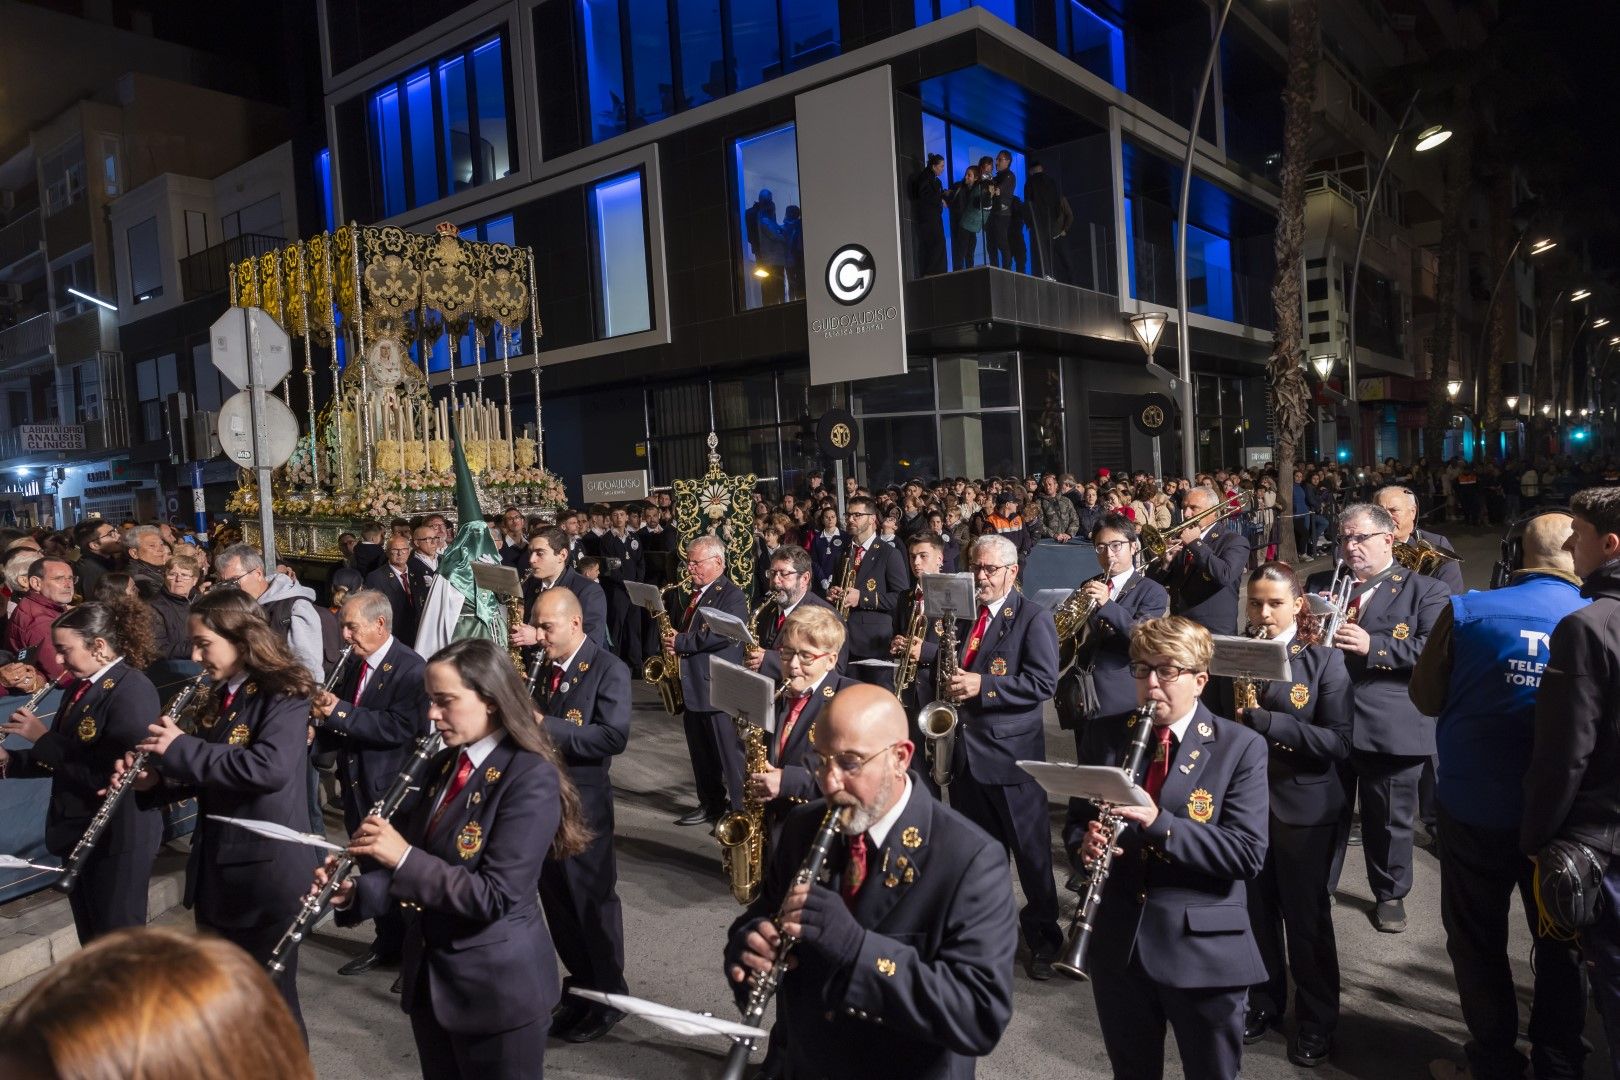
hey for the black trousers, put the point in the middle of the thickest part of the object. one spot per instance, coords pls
(963, 244)
(930, 245)
(1293, 925)
(1017, 815)
(1388, 786)
(390, 925)
(111, 893)
(998, 249)
(707, 772)
(580, 898)
(1480, 869)
(519, 1054)
(1132, 1011)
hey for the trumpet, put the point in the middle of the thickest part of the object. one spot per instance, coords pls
(73, 865)
(1332, 610)
(664, 670)
(938, 719)
(1156, 544)
(1071, 617)
(905, 668)
(1077, 942)
(846, 582)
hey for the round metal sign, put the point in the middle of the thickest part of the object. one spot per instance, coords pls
(837, 434)
(1153, 414)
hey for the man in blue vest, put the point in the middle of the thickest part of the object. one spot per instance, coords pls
(1479, 675)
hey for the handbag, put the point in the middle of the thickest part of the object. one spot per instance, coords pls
(1569, 887)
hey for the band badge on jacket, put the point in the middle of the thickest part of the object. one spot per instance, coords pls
(1201, 806)
(238, 736)
(1299, 696)
(911, 838)
(107, 684)
(470, 840)
(998, 666)
(491, 775)
(827, 691)
(871, 584)
(87, 729)
(1401, 632)
(584, 667)
(575, 717)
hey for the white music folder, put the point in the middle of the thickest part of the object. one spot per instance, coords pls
(1098, 783)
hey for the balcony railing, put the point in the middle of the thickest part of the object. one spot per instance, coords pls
(209, 271)
(20, 239)
(27, 341)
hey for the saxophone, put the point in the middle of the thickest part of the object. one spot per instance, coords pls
(1246, 692)
(1071, 617)
(937, 720)
(905, 668)
(742, 832)
(664, 670)
(754, 628)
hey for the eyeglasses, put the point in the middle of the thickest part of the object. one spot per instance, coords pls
(858, 513)
(849, 764)
(785, 572)
(1360, 539)
(987, 569)
(231, 582)
(1112, 546)
(1165, 672)
(700, 562)
(789, 655)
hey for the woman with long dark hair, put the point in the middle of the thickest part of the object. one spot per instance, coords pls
(479, 969)
(247, 760)
(102, 714)
(1306, 724)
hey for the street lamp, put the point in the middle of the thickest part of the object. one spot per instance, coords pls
(1600, 322)
(1537, 247)
(1579, 294)
(1513, 403)
(1148, 326)
(1427, 139)
(1542, 246)
(1323, 365)
(1546, 410)
(1452, 387)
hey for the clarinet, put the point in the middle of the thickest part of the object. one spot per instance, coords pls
(1077, 943)
(73, 866)
(36, 697)
(764, 988)
(535, 667)
(337, 673)
(316, 903)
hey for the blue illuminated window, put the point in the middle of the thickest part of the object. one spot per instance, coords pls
(771, 231)
(619, 232)
(929, 10)
(323, 186)
(756, 41)
(1096, 44)
(442, 128)
(963, 147)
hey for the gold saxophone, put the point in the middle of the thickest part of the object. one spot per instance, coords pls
(1246, 692)
(1071, 617)
(742, 832)
(938, 720)
(755, 629)
(664, 670)
(905, 668)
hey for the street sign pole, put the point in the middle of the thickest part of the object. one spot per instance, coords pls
(199, 503)
(267, 520)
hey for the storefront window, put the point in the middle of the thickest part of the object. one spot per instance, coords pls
(897, 449)
(745, 401)
(1043, 414)
(767, 199)
(618, 221)
(911, 392)
(977, 382)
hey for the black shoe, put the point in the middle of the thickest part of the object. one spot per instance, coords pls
(597, 1023)
(1256, 1022)
(362, 964)
(1310, 1049)
(1389, 916)
(698, 816)
(1040, 967)
(568, 1013)
(1355, 837)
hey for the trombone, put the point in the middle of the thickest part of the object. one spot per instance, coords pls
(1155, 544)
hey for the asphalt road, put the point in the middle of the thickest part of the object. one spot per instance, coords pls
(1399, 998)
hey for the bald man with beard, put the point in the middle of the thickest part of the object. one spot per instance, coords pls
(904, 964)
(1480, 674)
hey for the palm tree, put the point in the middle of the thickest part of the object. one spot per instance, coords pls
(1290, 394)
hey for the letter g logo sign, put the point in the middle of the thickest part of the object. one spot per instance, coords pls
(850, 274)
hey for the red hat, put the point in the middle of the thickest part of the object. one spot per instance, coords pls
(1103, 472)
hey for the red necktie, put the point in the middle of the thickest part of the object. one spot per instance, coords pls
(1161, 763)
(787, 724)
(858, 553)
(84, 684)
(556, 678)
(462, 773)
(365, 669)
(1110, 588)
(780, 619)
(405, 586)
(224, 701)
(691, 609)
(976, 637)
(855, 871)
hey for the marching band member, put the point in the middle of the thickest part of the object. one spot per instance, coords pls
(1172, 941)
(1402, 506)
(1124, 597)
(372, 722)
(788, 577)
(1392, 612)
(247, 760)
(878, 576)
(1203, 568)
(548, 568)
(717, 760)
(903, 969)
(1306, 725)
(807, 651)
(1007, 672)
(480, 976)
(926, 553)
(102, 715)
(584, 699)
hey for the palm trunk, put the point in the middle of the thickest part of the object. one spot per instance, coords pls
(1290, 394)
(1452, 208)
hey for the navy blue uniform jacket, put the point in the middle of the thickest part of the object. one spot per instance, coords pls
(86, 739)
(588, 718)
(1176, 898)
(771, 665)
(1017, 663)
(880, 579)
(472, 912)
(1107, 645)
(696, 643)
(592, 600)
(375, 736)
(1397, 617)
(930, 988)
(385, 581)
(1205, 587)
(247, 763)
(798, 782)
(1306, 725)
(1448, 573)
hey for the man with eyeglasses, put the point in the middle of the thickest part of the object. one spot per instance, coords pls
(1203, 567)
(878, 576)
(788, 579)
(904, 962)
(101, 550)
(1006, 673)
(1100, 684)
(1390, 614)
(711, 738)
(393, 580)
(1172, 941)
